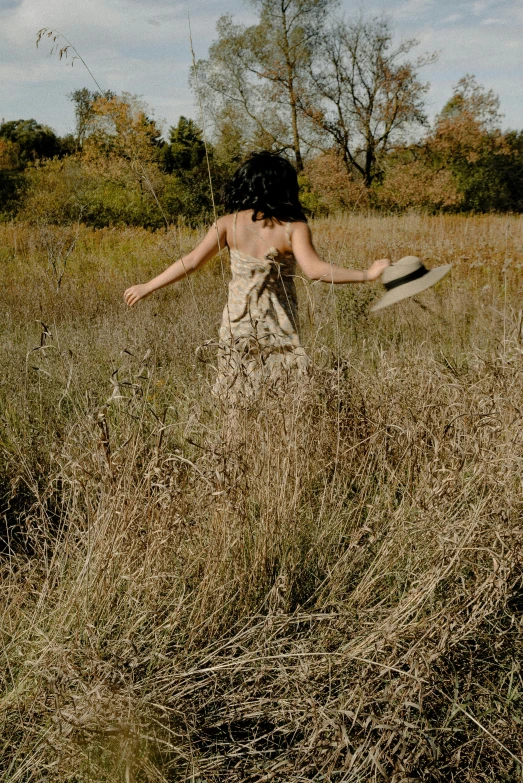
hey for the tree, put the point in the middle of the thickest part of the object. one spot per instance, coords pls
(120, 147)
(11, 178)
(260, 69)
(32, 140)
(467, 140)
(327, 187)
(186, 149)
(120, 125)
(410, 181)
(186, 188)
(511, 168)
(364, 93)
(468, 118)
(23, 144)
(84, 101)
(230, 143)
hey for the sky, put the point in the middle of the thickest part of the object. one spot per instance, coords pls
(142, 47)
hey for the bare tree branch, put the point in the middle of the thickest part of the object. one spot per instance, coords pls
(365, 92)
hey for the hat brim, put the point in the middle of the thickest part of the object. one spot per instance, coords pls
(411, 289)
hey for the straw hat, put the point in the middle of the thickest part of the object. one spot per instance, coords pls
(408, 277)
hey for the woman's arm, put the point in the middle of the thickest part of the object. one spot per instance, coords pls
(212, 243)
(316, 269)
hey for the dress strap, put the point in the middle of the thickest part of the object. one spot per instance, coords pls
(234, 230)
(288, 233)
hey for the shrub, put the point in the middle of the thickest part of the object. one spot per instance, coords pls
(410, 183)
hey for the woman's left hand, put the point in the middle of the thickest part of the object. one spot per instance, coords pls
(376, 269)
(135, 293)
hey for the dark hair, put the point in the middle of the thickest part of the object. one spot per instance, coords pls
(267, 183)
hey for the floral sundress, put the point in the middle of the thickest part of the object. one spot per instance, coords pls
(259, 344)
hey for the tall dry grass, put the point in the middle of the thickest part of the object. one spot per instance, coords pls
(339, 598)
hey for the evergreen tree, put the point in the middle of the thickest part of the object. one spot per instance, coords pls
(185, 150)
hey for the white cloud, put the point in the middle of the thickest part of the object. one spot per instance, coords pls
(138, 46)
(142, 46)
(411, 9)
(97, 22)
(469, 41)
(452, 18)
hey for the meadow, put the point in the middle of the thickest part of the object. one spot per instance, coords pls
(338, 597)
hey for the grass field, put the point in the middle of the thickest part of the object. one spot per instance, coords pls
(337, 599)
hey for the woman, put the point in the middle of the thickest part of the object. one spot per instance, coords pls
(267, 235)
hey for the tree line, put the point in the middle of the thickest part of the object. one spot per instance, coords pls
(343, 99)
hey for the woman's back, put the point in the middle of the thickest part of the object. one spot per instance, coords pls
(255, 238)
(262, 294)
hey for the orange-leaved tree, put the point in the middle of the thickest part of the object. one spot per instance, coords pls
(467, 140)
(121, 145)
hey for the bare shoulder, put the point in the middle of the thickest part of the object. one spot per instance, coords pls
(223, 223)
(300, 231)
(224, 227)
(300, 227)
(225, 220)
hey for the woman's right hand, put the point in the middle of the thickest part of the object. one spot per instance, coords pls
(136, 292)
(376, 269)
